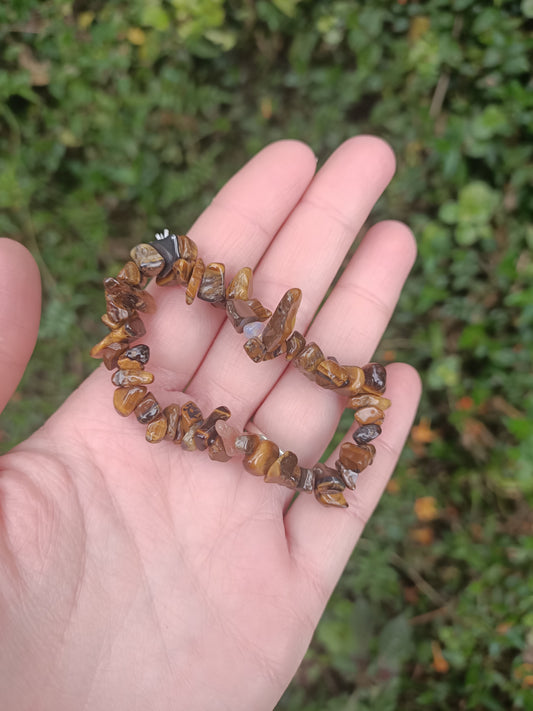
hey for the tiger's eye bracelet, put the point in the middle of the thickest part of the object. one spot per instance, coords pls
(174, 260)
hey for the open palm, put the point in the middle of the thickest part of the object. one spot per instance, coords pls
(137, 576)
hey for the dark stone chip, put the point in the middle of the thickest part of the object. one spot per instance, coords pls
(375, 376)
(135, 328)
(307, 480)
(148, 410)
(169, 250)
(366, 433)
(255, 349)
(139, 353)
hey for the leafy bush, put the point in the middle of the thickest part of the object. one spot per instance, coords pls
(119, 117)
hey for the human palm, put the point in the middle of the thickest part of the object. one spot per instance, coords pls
(138, 576)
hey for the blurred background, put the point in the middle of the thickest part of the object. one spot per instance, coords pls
(120, 117)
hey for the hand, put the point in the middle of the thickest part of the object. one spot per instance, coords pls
(138, 576)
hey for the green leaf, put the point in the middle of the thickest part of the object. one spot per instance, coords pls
(527, 8)
(154, 16)
(477, 203)
(363, 623)
(225, 39)
(394, 645)
(492, 121)
(445, 373)
(470, 233)
(449, 212)
(287, 7)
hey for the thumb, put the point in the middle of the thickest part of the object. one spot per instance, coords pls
(20, 311)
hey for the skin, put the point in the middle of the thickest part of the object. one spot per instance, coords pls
(137, 576)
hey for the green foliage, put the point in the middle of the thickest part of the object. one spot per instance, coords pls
(117, 118)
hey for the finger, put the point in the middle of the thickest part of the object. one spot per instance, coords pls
(298, 414)
(20, 310)
(235, 229)
(306, 253)
(320, 539)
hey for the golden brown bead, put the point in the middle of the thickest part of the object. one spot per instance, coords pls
(134, 328)
(370, 447)
(280, 350)
(187, 248)
(116, 313)
(247, 443)
(238, 320)
(172, 413)
(330, 375)
(355, 457)
(130, 274)
(206, 434)
(369, 416)
(112, 325)
(194, 281)
(328, 487)
(254, 349)
(112, 353)
(114, 286)
(308, 360)
(188, 440)
(262, 458)
(217, 451)
(183, 270)
(126, 400)
(284, 471)
(281, 325)
(190, 416)
(125, 378)
(357, 380)
(119, 335)
(130, 330)
(148, 259)
(168, 279)
(122, 298)
(212, 287)
(241, 285)
(241, 312)
(331, 497)
(307, 480)
(368, 399)
(348, 476)
(147, 410)
(145, 302)
(295, 345)
(179, 274)
(156, 429)
(129, 364)
(260, 312)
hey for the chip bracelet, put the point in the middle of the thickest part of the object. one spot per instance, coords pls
(173, 260)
